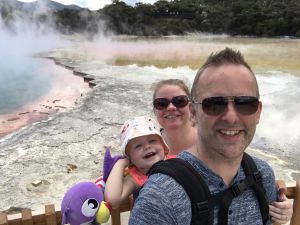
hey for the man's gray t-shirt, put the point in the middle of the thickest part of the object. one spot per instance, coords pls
(163, 201)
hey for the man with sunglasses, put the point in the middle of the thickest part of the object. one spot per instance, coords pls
(226, 109)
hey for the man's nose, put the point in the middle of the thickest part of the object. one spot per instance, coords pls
(230, 115)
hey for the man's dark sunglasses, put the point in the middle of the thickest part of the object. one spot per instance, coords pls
(214, 106)
(179, 101)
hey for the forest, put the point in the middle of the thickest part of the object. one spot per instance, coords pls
(258, 18)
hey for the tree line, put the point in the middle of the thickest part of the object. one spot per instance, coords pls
(261, 18)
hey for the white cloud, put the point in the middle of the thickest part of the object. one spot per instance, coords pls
(27, 0)
(94, 4)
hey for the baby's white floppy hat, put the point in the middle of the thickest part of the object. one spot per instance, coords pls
(137, 127)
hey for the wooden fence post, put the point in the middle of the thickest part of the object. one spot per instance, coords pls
(50, 215)
(115, 217)
(296, 214)
(3, 219)
(27, 217)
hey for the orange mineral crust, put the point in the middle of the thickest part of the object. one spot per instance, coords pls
(66, 88)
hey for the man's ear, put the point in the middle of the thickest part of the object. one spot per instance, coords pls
(258, 113)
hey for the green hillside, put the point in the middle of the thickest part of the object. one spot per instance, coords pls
(261, 18)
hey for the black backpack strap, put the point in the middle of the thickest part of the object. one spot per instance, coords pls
(194, 185)
(253, 180)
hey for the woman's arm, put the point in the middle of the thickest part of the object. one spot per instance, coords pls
(118, 187)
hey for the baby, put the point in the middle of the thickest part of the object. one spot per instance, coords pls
(142, 144)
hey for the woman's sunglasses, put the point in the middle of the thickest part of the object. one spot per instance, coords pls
(179, 101)
(214, 106)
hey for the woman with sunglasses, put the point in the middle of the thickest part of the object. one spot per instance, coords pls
(171, 100)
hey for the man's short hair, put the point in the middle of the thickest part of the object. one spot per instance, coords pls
(226, 56)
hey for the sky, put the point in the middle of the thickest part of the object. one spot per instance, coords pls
(94, 4)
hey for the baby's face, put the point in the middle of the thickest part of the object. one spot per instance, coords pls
(144, 151)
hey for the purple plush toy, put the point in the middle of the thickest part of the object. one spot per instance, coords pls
(83, 203)
(108, 163)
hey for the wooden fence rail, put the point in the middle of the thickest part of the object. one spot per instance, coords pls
(53, 217)
(49, 217)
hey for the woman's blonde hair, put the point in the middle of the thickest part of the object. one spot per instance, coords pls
(177, 82)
